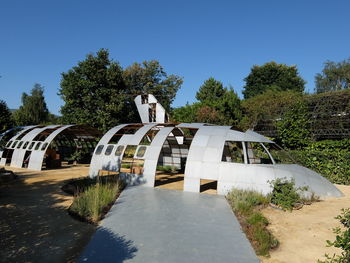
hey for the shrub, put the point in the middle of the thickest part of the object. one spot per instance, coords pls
(243, 201)
(91, 203)
(329, 158)
(342, 240)
(285, 194)
(246, 205)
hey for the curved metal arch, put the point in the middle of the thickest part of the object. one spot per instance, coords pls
(152, 155)
(19, 153)
(112, 162)
(97, 161)
(3, 158)
(37, 156)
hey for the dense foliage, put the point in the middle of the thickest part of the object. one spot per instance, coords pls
(334, 76)
(285, 194)
(6, 121)
(150, 78)
(272, 76)
(100, 93)
(342, 239)
(217, 105)
(330, 158)
(33, 109)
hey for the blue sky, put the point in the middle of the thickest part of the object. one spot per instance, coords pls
(194, 39)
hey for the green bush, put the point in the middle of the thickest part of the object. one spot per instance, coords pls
(342, 240)
(246, 205)
(285, 194)
(91, 203)
(329, 158)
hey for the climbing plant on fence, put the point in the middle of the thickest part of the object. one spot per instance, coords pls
(330, 158)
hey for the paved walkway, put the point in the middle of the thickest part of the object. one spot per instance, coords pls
(158, 225)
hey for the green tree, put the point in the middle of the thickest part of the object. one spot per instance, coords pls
(6, 121)
(217, 105)
(277, 77)
(186, 113)
(150, 78)
(94, 93)
(33, 109)
(211, 90)
(334, 76)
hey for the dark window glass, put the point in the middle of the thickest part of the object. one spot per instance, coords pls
(31, 145)
(233, 152)
(44, 146)
(99, 149)
(20, 144)
(37, 146)
(8, 144)
(25, 145)
(109, 149)
(14, 144)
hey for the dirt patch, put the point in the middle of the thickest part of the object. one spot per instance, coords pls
(303, 233)
(34, 223)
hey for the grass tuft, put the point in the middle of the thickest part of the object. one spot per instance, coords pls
(246, 205)
(96, 199)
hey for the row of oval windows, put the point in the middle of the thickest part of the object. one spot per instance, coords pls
(25, 144)
(118, 152)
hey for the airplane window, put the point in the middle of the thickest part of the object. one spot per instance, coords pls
(141, 151)
(37, 146)
(109, 150)
(119, 150)
(31, 145)
(99, 149)
(257, 153)
(233, 152)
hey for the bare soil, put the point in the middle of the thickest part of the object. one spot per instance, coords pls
(303, 233)
(34, 223)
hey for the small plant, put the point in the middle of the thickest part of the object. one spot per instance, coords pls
(246, 205)
(285, 194)
(342, 240)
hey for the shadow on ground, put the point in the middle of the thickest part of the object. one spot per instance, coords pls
(34, 223)
(111, 248)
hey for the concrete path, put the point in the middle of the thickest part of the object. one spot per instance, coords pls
(158, 225)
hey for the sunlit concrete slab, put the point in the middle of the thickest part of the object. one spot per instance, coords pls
(159, 225)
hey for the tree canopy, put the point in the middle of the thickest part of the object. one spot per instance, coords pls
(211, 90)
(150, 78)
(94, 92)
(100, 93)
(6, 121)
(334, 76)
(278, 77)
(33, 109)
(217, 105)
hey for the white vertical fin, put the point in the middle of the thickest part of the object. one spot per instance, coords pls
(150, 110)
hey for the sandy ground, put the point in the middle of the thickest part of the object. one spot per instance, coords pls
(176, 182)
(303, 233)
(34, 223)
